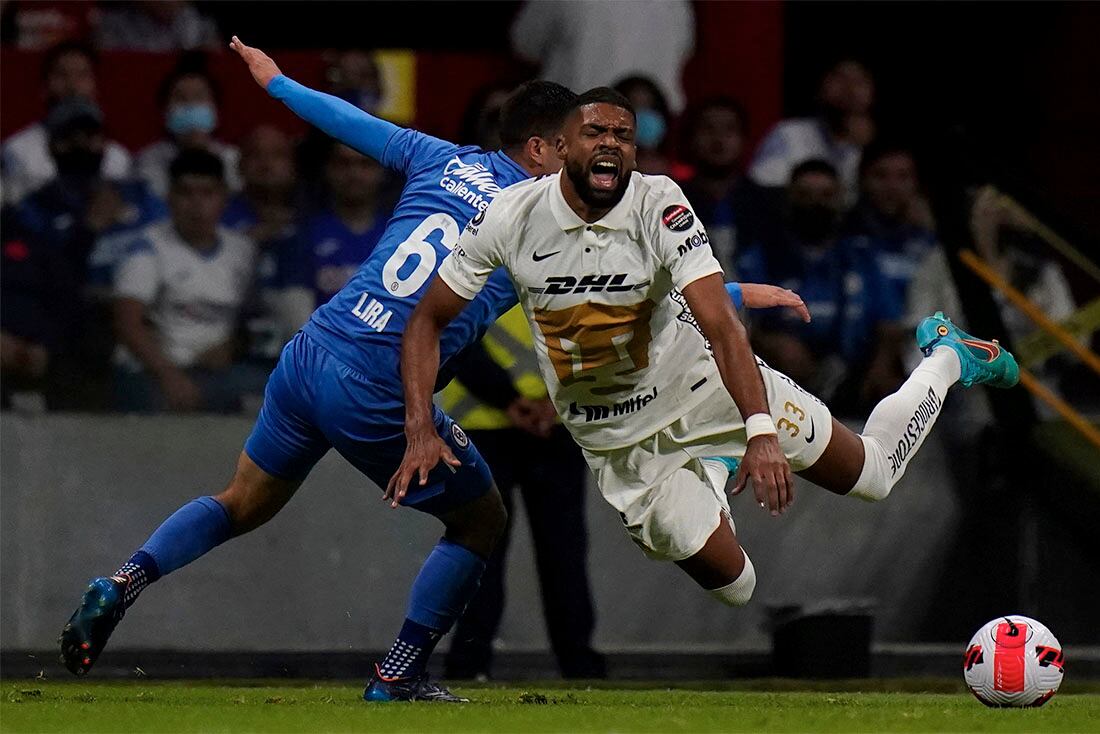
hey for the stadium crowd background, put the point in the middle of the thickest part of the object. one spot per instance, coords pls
(137, 153)
(829, 202)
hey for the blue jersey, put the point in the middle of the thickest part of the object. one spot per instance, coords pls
(326, 254)
(446, 185)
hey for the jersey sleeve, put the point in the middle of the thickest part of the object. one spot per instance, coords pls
(137, 276)
(478, 252)
(410, 150)
(679, 238)
(395, 147)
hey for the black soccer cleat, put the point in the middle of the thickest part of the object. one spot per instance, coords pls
(416, 688)
(91, 625)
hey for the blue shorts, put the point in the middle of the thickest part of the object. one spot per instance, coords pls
(314, 402)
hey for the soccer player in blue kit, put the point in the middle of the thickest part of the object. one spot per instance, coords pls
(338, 384)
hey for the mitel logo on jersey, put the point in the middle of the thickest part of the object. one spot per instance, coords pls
(471, 182)
(603, 412)
(696, 240)
(559, 285)
(371, 312)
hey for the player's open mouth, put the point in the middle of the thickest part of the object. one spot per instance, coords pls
(604, 173)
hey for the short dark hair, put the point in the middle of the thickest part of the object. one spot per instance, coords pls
(190, 64)
(603, 95)
(56, 53)
(636, 81)
(197, 162)
(535, 109)
(814, 165)
(880, 148)
(693, 115)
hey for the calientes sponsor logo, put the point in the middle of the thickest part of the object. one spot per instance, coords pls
(471, 182)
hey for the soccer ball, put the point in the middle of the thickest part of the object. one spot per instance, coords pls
(1013, 661)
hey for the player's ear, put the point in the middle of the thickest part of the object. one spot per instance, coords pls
(559, 147)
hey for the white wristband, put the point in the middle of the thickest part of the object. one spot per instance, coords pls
(759, 424)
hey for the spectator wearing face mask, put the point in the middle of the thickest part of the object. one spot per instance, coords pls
(80, 205)
(836, 134)
(841, 285)
(652, 117)
(730, 205)
(68, 71)
(188, 97)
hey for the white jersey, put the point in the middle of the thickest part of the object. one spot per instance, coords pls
(618, 348)
(193, 298)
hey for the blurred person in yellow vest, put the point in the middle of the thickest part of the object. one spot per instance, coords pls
(499, 397)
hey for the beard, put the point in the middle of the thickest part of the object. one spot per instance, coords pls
(596, 198)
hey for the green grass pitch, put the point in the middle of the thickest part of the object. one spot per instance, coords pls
(745, 706)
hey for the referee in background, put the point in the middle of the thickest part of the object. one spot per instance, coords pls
(499, 398)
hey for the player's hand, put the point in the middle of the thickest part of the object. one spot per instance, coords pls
(770, 473)
(260, 64)
(530, 416)
(424, 451)
(760, 295)
(180, 391)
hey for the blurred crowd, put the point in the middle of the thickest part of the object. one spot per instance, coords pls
(167, 278)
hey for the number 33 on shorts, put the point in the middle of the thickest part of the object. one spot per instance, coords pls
(785, 424)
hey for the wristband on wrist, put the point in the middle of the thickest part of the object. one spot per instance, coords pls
(759, 424)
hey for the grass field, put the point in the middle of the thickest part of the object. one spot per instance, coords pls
(743, 706)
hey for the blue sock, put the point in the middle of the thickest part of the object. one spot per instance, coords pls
(194, 529)
(446, 583)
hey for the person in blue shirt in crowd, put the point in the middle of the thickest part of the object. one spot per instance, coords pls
(840, 283)
(78, 218)
(333, 242)
(79, 206)
(730, 205)
(892, 220)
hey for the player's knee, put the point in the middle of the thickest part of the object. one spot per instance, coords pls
(250, 504)
(876, 480)
(739, 592)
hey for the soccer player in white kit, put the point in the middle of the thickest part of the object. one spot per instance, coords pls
(649, 366)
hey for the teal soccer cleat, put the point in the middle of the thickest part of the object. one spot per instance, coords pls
(91, 625)
(416, 688)
(983, 362)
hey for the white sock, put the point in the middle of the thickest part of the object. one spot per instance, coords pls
(739, 591)
(899, 424)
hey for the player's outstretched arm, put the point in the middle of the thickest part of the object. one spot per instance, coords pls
(342, 120)
(763, 462)
(761, 295)
(419, 369)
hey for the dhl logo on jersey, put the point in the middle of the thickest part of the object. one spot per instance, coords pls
(560, 285)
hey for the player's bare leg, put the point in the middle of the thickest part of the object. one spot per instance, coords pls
(722, 567)
(252, 498)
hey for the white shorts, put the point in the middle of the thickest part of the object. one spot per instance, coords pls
(669, 499)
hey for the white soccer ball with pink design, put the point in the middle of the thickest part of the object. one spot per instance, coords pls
(1013, 661)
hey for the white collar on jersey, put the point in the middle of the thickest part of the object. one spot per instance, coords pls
(617, 218)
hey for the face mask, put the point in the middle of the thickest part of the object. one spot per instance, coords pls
(79, 162)
(650, 129)
(813, 223)
(186, 118)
